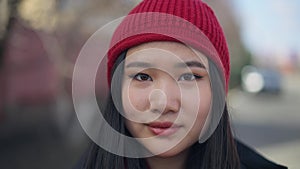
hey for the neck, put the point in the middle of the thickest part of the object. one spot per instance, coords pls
(174, 162)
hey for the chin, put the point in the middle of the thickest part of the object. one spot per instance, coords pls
(170, 153)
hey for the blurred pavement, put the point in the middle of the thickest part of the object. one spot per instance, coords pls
(270, 123)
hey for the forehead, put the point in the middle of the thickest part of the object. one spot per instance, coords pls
(162, 50)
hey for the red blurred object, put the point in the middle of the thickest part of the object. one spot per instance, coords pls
(29, 75)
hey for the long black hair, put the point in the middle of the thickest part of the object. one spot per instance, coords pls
(217, 152)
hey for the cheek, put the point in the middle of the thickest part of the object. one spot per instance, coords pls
(205, 103)
(133, 128)
(197, 107)
(135, 100)
(197, 99)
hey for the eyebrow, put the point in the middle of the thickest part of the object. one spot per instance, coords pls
(178, 65)
(139, 64)
(191, 64)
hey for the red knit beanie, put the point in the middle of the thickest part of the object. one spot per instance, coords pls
(191, 22)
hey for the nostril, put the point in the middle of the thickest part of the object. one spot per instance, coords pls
(154, 110)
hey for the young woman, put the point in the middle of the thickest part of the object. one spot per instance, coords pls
(168, 72)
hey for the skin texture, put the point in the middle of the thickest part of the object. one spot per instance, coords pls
(166, 82)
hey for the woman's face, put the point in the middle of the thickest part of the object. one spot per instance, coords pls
(166, 96)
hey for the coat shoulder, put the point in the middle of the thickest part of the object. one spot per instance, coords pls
(250, 159)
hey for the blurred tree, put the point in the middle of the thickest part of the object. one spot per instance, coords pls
(40, 15)
(239, 54)
(7, 14)
(3, 16)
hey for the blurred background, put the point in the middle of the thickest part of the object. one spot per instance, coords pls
(39, 44)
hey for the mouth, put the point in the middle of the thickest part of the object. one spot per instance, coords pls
(163, 128)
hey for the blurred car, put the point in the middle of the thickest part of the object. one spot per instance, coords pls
(257, 80)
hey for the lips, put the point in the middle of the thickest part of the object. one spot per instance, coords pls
(163, 128)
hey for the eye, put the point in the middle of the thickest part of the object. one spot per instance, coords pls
(189, 77)
(142, 77)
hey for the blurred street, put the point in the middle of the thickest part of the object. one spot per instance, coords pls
(270, 122)
(34, 141)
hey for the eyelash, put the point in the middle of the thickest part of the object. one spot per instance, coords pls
(136, 77)
(195, 76)
(139, 78)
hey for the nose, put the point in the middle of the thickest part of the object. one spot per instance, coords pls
(165, 97)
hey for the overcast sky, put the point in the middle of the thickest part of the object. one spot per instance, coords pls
(269, 25)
